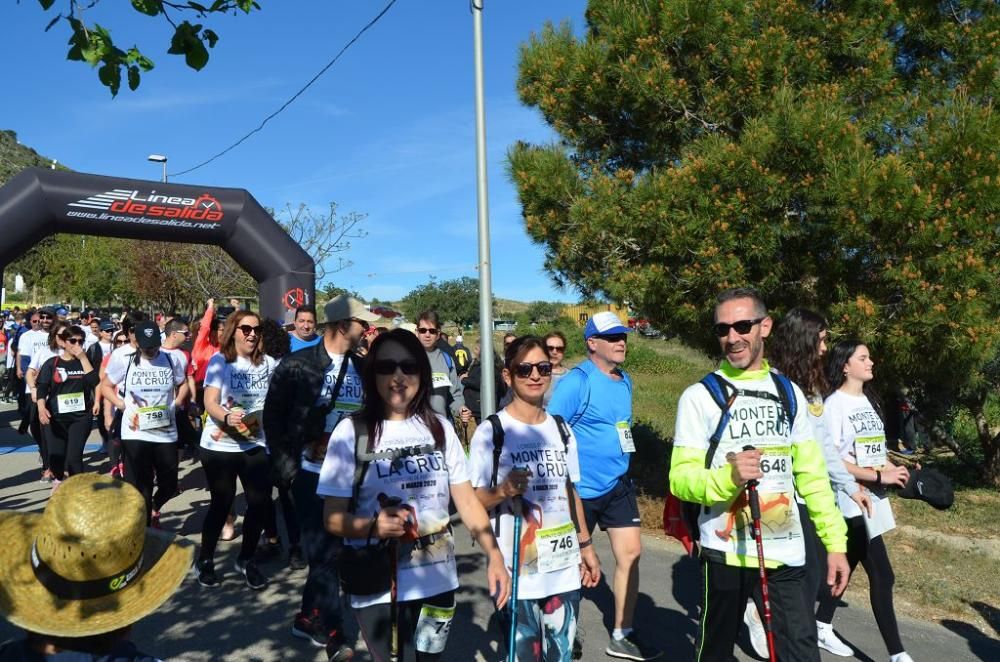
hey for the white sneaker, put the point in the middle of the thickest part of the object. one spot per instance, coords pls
(831, 642)
(901, 657)
(758, 637)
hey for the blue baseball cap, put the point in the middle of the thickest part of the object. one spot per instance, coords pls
(604, 323)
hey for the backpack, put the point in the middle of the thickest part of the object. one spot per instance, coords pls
(462, 358)
(680, 518)
(498, 439)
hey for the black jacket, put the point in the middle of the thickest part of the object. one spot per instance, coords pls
(291, 416)
(473, 387)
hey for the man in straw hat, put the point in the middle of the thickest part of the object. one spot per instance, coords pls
(77, 576)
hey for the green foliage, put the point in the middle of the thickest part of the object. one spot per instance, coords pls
(93, 43)
(543, 312)
(841, 156)
(455, 300)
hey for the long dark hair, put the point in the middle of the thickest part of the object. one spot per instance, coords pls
(838, 357)
(372, 412)
(793, 348)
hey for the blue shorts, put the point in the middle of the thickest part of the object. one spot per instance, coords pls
(615, 510)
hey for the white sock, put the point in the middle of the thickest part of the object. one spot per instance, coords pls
(900, 657)
(619, 634)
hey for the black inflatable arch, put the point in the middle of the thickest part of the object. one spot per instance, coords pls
(37, 203)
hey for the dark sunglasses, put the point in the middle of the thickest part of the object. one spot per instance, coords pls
(388, 366)
(424, 331)
(119, 343)
(188, 333)
(73, 341)
(742, 327)
(524, 370)
(612, 337)
(45, 317)
(247, 329)
(554, 348)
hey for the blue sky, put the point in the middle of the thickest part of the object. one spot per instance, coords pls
(388, 130)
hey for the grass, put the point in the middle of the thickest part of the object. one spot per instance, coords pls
(934, 579)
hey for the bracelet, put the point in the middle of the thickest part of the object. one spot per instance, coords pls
(225, 420)
(878, 477)
(586, 543)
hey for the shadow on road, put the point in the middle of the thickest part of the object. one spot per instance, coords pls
(983, 647)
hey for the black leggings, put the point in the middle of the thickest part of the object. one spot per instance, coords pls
(221, 469)
(143, 460)
(65, 438)
(376, 628)
(287, 502)
(875, 559)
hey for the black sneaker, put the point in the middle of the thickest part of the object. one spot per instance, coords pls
(267, 550)
(308, 627)
(337, 649)
(255, 578)
(206, 573)
(295, 559)
(631, 648)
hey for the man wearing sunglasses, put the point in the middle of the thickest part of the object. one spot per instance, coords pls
(710, 467)
(310, 391)
(595, 398)
(34, 341)
(446, 394)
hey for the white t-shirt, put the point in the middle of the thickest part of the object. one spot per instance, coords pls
(855, 429)
(41, 356)
(149, 396)
(243, 387)
(550, 554)
(31, 343)
(422, 482)
(759, 422)
(348, 401)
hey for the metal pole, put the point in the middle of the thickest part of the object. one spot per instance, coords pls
(488, 392)
(164, 171)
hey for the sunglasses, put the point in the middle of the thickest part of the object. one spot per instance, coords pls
(388, 366)
(46, 317)
(524, 370)
(554, 348)
(247, 329)
(612, 337)
(742, 327)
(73, 341)
(119, 343)
(188, 333)
(424, 331)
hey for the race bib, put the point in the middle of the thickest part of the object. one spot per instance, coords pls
(557, 548)
(870, 451)
(152, 418)
(776, 465)
(433, 626)
(625, 437)
(70, 403)
(440, 380)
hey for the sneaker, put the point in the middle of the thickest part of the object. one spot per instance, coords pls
(758, 637)
(154, 520)
(255, 578)
(267, 550)
(295, 559)
(228, 531)
(206, 573)
(829, 641)
(55, 486)
(901, 657)
(118, 470)
(47, 477)
(631, 648)
(308, 628)
(337, 649)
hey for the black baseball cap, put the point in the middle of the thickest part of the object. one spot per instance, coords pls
(147, 335)
(929, 485)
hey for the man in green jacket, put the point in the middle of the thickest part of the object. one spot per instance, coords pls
(785, 461)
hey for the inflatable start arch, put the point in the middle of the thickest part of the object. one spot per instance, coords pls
(38, 202)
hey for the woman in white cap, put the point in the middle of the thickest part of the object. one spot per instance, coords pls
(79, 575)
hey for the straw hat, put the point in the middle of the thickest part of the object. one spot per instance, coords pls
(88, 564)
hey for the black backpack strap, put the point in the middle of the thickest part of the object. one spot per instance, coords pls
(724, 395)
(789, 403)
(497, 446)
(563, 430)
(361, 459)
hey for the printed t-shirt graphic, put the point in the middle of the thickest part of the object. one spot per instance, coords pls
(421, 482)
(148, 395)
(762, 423)
(242, 388)
(348, 401)
(854, 425)
(66, 387)
(550, 553)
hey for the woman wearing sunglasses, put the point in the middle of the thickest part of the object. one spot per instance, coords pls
(537, 463)
(232, 443)
(66, 385)
(555, 347)
(400, 505)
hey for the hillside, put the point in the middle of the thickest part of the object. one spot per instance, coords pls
(15, 157)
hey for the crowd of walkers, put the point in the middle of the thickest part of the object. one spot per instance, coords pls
(374, 443)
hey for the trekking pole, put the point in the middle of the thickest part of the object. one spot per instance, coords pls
(393, 596)
(754, 500)
(515, 571)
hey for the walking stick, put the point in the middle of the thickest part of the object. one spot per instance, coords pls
(754, 500)
(393, 593)
(515, 571)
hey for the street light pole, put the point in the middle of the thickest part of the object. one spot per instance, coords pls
(487, 388)
(161, 159)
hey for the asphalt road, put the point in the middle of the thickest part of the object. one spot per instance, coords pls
(234, 623)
